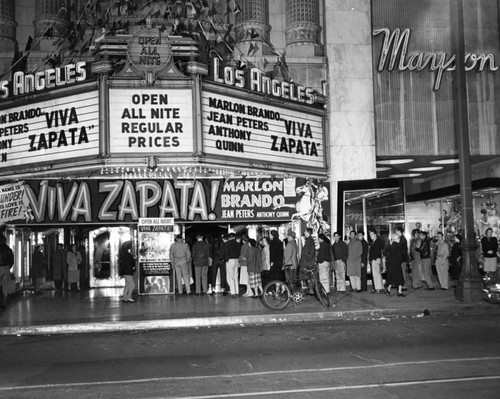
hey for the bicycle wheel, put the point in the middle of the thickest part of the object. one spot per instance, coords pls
(322, 295)
(276, 295)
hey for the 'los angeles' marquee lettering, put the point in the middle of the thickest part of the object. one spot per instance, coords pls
(259, 83)
(394, 53)
(50, 78)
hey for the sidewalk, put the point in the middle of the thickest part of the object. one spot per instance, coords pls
(101, 310)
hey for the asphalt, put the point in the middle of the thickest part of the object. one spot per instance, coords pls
(102, 310)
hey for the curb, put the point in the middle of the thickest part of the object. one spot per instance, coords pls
(224, 321)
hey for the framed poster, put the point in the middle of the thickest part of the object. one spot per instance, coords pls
(156, 275)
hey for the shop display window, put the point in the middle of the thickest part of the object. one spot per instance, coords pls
(445, 214)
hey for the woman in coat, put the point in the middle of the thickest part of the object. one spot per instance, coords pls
(127, 270)
(38, 268)
(394, 272)
(254, 268)
(354, 253)
(74, 259)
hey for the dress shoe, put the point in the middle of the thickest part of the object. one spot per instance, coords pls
(401, 294)
(234, 296)
(387, 292)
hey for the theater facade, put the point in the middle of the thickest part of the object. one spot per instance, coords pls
(98, 156)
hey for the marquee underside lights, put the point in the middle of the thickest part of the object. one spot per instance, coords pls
(395, 161)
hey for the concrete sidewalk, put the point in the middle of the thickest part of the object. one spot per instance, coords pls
(101, 310)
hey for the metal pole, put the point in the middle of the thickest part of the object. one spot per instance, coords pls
(469, 285)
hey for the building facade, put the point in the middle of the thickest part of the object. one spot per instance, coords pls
(245, 116)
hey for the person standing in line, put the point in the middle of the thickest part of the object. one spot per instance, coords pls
(355, 251)
(276, 257)
(395, 276)
(6, 263)
(324, 262)
(290, 257)
(200, 254)
(340, 252)
(416, 265)
(489, 251)
(180, 256)
(243, 261)
(423, 247)
(209, 239)
(404, 249)
(232, 253)
(265, 260)
(127, 269)
(59, 266)
(254, 267)
(456, 257)
(364, 261)
(74, 259)
(38, 268)
(219, 264)
(375, 259)
(307, 260)
(442, 262)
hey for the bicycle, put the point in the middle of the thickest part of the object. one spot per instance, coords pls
(278, 294)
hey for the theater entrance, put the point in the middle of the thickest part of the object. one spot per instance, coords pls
(104, 247)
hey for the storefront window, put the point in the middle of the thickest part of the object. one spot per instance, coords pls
(445, 214)
(382, 209)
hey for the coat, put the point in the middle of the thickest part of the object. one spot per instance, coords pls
(355, 250)
(59, 265)
(291, 254)
(394, 259)
(254, 260)
(200, 253)
(39, 265)
(180, 254)
(308, 257)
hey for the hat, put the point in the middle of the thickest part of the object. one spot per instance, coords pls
(291, 233)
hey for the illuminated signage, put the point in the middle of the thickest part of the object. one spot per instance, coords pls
(23, 83)
(256, 81)
(258, 132)
(53, 130)
(394, 54)
(13, 202)
(215, 200)
(149, 50)
(151, 121)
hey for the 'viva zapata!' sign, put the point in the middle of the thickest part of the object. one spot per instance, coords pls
(125, 201)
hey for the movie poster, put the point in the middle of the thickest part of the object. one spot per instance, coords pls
(156, 235)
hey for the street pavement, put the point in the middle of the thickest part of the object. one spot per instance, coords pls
(102, 310)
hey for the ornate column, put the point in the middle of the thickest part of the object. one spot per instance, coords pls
(252, 27)
(51, 22)
(302, 28)
(7, 34)
(7, 26)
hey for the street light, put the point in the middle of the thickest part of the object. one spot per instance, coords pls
(469, 283)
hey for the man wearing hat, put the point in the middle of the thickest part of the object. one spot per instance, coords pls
(180, 256)
(290, 256)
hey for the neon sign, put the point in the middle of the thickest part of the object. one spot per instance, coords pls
(394, 54)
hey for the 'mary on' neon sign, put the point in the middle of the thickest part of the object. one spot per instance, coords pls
(395, 48)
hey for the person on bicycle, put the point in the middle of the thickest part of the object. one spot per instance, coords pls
(307, 259)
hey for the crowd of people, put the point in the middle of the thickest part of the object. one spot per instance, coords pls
(392, 264)
(64, 268)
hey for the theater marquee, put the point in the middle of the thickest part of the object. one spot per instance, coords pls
(253, 131)
(151, 121)
(59, 129)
